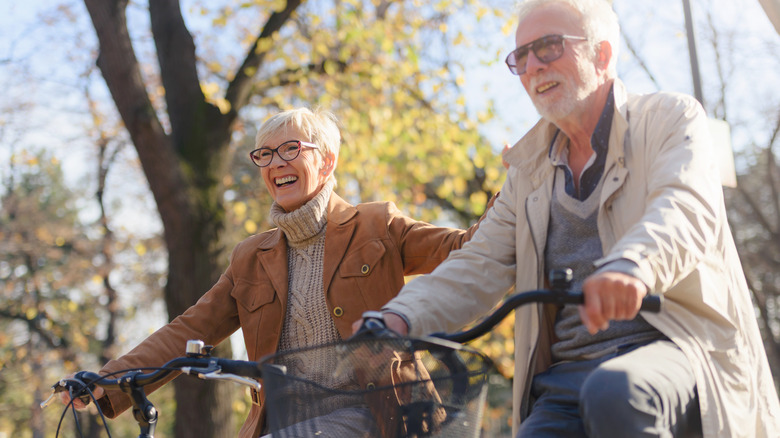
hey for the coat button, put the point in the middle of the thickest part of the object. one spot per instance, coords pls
(338, 312)
(370, 385)
(364, 269)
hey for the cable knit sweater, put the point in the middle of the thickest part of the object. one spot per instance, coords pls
(307, 321)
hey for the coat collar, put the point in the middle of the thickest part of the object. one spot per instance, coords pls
(530, 153)
(272, 246)
(339, 212)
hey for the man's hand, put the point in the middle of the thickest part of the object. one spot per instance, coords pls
(503, 161)
(610, 296)
(392, 321)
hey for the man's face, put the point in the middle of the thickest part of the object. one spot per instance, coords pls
(560, 88)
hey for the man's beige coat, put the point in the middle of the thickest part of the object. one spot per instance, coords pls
(661, 207)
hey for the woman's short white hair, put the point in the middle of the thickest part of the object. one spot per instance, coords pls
(319, 126)
(598, 19)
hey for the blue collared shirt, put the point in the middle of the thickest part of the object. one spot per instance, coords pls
(594, 169)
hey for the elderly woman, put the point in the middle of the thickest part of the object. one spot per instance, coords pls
(304, 282)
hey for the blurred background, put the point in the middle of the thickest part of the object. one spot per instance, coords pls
(125, 183)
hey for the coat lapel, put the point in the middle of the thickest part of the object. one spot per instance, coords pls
(272, 257)
(337, 235)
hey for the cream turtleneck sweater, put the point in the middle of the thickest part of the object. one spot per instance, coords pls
(307, 321)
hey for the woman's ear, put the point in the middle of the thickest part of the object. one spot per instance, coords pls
(328, 164)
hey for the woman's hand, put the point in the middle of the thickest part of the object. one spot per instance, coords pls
(78, 403)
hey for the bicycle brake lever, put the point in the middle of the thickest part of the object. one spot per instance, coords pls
(215, 375)
(48, 401)
(67, 384)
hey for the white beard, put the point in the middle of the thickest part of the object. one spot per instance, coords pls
(574, 96)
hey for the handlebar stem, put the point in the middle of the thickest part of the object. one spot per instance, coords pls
(144, 412)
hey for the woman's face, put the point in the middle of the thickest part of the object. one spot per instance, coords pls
(293, 183)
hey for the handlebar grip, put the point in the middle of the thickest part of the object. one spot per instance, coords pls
(652, 303)
(240, 368)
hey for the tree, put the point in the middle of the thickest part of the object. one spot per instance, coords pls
(44, 254)
(405, 128)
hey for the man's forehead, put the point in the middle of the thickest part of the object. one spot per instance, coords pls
(553, 18)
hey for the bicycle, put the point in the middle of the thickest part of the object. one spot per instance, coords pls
(397, 386)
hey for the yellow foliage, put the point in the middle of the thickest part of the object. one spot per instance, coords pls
(250, 226)
(478, 198)
(278, 5)
(459, 39)
(264, 45)
(223, 105)
(509, 27)
(239, 209)
(209, 89)
(140, 249)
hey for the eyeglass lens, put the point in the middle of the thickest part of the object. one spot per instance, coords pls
(287, 151)
(546, 49)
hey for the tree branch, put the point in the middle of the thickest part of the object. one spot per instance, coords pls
(119, 67)
(178, 69)
(770, 171)
(237, 93)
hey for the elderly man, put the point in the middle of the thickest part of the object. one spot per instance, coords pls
(624, 190)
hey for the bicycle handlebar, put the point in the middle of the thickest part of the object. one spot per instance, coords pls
(209, 368)
(650, 303)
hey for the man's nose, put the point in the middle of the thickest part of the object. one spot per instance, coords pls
(533, 64)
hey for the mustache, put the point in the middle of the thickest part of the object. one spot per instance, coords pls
(547, 77)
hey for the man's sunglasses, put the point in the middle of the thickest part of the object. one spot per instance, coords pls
(546, 49)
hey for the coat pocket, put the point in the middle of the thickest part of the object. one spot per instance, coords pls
(362, 261)
(252, 296)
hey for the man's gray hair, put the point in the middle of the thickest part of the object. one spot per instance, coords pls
(598, 18)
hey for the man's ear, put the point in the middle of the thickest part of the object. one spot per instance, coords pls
(604, 55)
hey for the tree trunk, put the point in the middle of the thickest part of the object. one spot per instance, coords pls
(188, 205)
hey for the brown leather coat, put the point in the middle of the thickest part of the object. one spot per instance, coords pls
(369, 248)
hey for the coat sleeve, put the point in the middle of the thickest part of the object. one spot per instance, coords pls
(682, 215)
(424, 246)
(471, 281)
(212, 319)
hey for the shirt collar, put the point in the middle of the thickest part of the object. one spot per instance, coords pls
(599, 140)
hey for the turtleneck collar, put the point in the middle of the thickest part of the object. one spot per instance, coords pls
(302, 225)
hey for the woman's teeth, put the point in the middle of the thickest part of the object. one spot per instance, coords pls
(285, 180)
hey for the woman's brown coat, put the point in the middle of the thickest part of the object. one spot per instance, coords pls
(369, 248)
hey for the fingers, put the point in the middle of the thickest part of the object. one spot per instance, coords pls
(591, 314)
(78, 402)
(396, 324)
(610, 296)
(503, 161)
(356, 326)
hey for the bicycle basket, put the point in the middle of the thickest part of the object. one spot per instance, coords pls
(378, 387)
